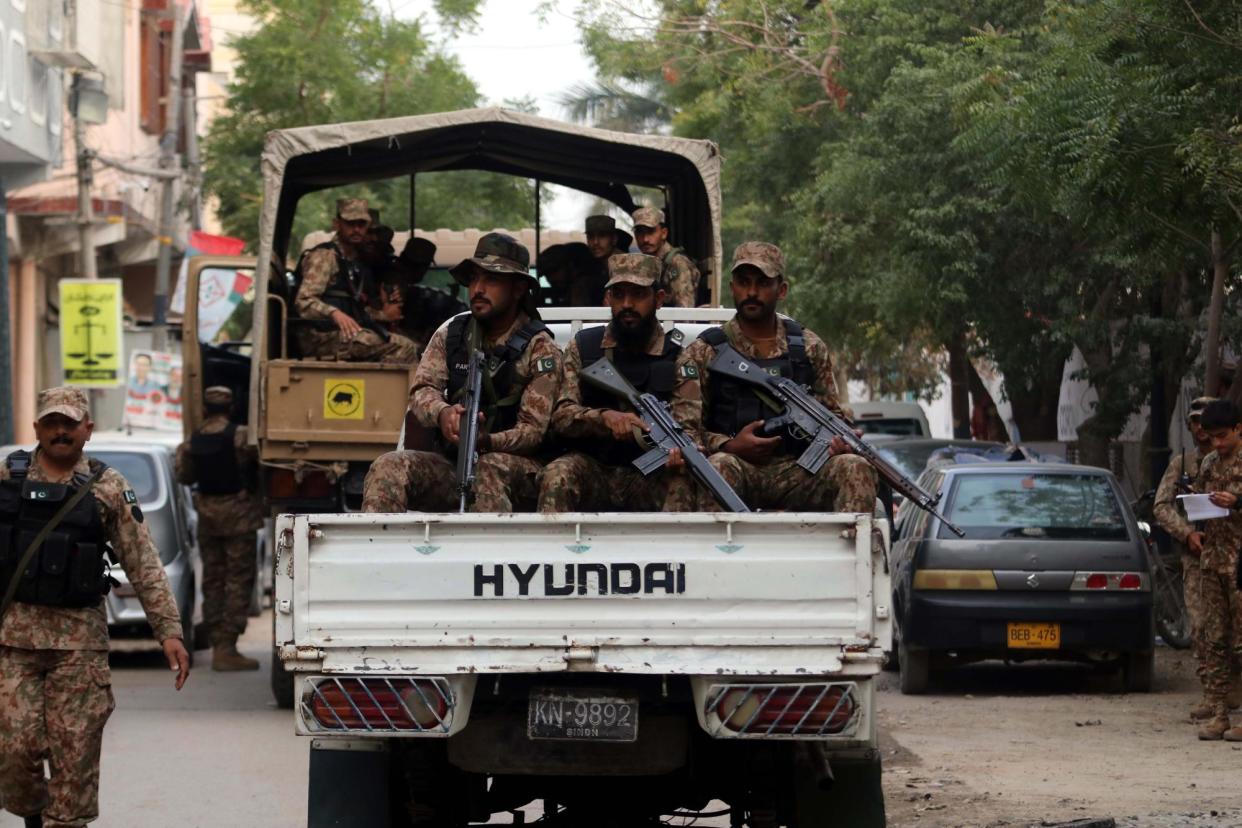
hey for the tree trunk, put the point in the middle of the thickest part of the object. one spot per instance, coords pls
(1211, 352)
(959, 384)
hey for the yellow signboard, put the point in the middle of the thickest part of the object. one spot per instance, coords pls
(344, 398)
(91, 347)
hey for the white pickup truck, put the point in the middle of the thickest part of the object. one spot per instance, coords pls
(617, 666)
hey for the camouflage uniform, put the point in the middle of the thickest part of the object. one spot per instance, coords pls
(319, 271)
(55, 685)
(679, 275)
(226, 534)
(846, 483)
(1218, 568)
(505, 476)
(1166, 512)
(579, 481)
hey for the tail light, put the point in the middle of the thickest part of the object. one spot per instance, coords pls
(954, 579)
(380, 704)
(1111, 582)
(782, 709)
(284, 484)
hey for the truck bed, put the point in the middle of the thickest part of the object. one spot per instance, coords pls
(695, 594)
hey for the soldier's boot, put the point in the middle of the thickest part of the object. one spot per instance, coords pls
(1215, 730)
(1233, 734)
(1202, 710)
(35, 821)
(226, 659)
(1234, 697)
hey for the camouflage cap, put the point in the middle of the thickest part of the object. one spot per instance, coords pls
(651, 217)
(218, 395)
(767, 257)
(65, 399)
(1195, 410)
(496, 253)
(600, 224)
(352, 209)
(633, 268)
(418, 251)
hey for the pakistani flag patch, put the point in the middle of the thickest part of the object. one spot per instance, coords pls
(129, 496)
(545, 365)
(689, 371)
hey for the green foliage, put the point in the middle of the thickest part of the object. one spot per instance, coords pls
(332, 61)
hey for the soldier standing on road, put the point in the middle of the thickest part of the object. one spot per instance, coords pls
(1185, 467)
(218, 461)
(678, 274)
(726, 417)
(333, 295)
(598, 475)
(521, 382)
(55, 685)
(1220, 475)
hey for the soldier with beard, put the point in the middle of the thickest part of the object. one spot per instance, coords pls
(598, 475)
(522, 377)
(727, 418)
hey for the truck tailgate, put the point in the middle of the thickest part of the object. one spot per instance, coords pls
(647, 593)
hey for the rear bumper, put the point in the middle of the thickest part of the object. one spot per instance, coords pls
(977, 621)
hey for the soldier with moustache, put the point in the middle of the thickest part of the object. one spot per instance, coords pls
(727, 417)
(523, 376)
(598, 473)
(55, 684)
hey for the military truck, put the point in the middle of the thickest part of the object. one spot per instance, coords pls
(617, 668)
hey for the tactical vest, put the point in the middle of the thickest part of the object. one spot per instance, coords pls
(70, 569)
(732, 405)
(502, 389)
(647, 373)
(345, 291)
(216, 471)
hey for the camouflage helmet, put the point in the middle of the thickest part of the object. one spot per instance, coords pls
(633, 268)
(496, 253)
(65, 399)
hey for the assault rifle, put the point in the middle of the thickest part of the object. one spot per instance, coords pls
(809, 419)
(468, 433)
(665, 435)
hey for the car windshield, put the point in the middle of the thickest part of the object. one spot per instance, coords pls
(889, 425)
(138, 469)
(1053, 506)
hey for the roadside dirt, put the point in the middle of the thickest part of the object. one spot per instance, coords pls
(1042, 744)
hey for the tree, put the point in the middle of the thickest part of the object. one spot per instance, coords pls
(331, 61)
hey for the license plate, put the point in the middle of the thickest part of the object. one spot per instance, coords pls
(582, 716)
(1024, 636)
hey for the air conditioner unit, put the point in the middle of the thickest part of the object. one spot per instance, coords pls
(65, 33)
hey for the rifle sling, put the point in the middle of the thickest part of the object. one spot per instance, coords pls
(24, 561)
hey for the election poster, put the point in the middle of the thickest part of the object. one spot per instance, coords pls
(91, 346)
(153, 391)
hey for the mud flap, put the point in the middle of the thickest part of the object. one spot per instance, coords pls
(348, 784)
(854, 798)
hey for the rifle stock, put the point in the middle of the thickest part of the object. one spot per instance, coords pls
(807, 416)
(665, 434)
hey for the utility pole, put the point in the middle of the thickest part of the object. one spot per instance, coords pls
(168, 163)
(86, 209)
(193, 162)
(6, 342)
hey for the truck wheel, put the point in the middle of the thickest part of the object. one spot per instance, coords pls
(1137, 671)
(854, 798)
(280, 679)
(915, 666)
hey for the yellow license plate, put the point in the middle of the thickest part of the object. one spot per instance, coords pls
(1034, 636)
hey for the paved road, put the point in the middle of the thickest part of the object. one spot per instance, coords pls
(990, 746)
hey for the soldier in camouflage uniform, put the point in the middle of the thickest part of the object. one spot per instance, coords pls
(1168, 514)
(598, 474)
(223, 467)
(523, 377)
(726, 417)
(679, 275)
(333, 295)
(1220, 475)
(55, 685)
